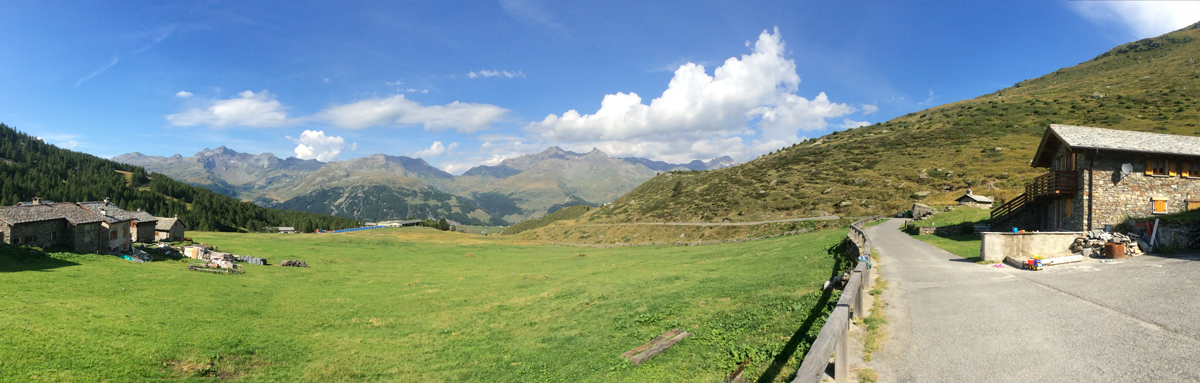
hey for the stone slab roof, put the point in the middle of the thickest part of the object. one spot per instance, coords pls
(113, 214)
(45, 212)
(164, 224)
(975, 198)
(142, 216)
(1086, 137)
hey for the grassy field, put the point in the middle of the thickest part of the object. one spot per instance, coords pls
(417, 304)
(963, 245)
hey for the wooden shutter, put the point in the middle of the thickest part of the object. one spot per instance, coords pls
(1193, 204)
(1160, 206)
(1171, 168)
(1149, 167)
(1184, 170)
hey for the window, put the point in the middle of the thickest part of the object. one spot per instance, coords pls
(1070, 207)
(1157, 167)
(112, 234)
(54, 236)
(31, 239)
(1191, 170)
(18, 240)
(1160, 205)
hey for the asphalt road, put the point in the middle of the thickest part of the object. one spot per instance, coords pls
(952, 320)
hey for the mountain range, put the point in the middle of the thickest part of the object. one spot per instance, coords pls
(381, 187)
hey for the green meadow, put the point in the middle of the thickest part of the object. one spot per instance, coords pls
(417, 304)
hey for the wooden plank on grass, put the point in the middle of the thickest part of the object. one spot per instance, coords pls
(651, 343)
(658, 349)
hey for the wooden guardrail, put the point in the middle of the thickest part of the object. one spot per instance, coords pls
(835, 334)
(1053, 183)
(1009, 208)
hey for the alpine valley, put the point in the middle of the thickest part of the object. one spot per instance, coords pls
(382, 187)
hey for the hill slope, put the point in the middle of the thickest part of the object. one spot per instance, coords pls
(31, 168)
(932, 155)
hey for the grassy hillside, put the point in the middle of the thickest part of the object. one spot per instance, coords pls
(570, 213)
(930, 156)
(417, 305)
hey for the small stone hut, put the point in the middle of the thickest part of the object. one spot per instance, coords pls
(169, 229)
(972, 200)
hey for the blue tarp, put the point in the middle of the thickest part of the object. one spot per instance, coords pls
(357, 229)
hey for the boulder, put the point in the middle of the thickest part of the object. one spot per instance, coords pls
(920, 211)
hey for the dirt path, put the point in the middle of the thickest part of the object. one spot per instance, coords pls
(956, 321)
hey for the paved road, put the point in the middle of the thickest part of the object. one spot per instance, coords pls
(821, 218)
(957, 321)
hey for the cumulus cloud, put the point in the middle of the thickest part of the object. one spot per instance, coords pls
(530, 13)
(868, 108)
(435, 150)
(258, 110)
(415, 90)
(184, 94)
(314, 144)
(396, 110)
(495, 73)
(701, 116)
(1141, 18)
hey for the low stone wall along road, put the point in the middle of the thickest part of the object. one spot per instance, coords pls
(952, 320)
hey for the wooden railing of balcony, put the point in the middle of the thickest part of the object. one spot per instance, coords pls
(1053, 184)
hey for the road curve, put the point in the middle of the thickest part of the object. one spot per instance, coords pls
(821, 218)
(952, 320)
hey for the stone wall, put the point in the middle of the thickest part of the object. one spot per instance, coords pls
(996, 246)
(143, 232)
(40, 234)
(1120, 197)
(939, 230)
(976, 205)
(85, 238)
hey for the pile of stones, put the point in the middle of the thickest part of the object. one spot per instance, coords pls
(291, 263)
(1093, 243)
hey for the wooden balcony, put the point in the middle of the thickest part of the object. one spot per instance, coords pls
(1053, 184)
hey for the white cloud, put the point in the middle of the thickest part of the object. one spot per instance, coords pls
(851, 124)
(414, 90)
(114, 61)
(184, 94)
(530, 13)
(316, 145)
(394, 83)
(354, 146)
(250, 109)
(495, 73)
(70, 144)
(464, 117)
(435, 150)
(868, 109)
(698, 116)
(1142, 18)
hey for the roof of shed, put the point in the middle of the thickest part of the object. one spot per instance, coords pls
(976, 198)
(165, 224)
(142, 216)
(1086, 137)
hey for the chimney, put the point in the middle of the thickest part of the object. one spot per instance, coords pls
(37, 200)
(968, 191)
(106, 200)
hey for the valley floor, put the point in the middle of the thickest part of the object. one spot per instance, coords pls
(417, 304)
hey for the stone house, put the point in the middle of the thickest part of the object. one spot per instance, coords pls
(169, 229)
(287, 230)
(1097, 178)
(46, 224)
(972, 200)
(116, 223)
(143, 227)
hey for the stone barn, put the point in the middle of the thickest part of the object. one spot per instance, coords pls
(46, 224)
(972, 200)
(143, 227)
(169, 229)
(116, 223)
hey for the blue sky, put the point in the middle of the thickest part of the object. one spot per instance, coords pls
(468, 83)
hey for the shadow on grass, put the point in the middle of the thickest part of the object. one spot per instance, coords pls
(841, 253)
(39, 262)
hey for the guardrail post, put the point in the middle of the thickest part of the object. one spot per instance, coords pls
(841, 361)
(858, 295)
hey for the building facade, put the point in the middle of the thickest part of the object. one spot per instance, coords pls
(169, 229)
(1098, 178)
(48, 224)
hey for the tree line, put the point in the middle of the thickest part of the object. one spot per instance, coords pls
(30, 167)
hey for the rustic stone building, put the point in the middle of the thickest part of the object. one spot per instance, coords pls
(1100, 177)
(46, 224)
(143, 226)
(972, 200)
(116, 222)
(169, 229)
